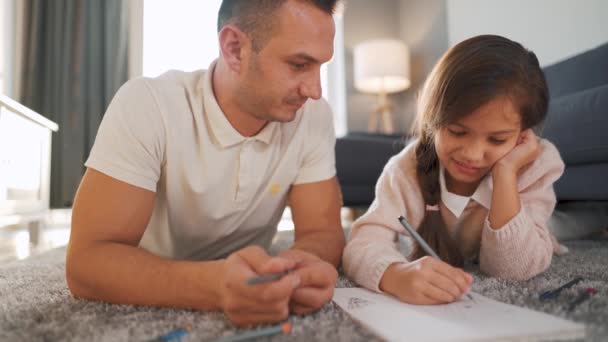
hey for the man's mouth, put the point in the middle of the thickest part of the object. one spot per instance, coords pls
(297, 103)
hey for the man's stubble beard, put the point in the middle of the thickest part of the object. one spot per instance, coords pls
(259, 105)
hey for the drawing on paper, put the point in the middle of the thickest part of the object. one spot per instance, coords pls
(357, 303)
(463, 320)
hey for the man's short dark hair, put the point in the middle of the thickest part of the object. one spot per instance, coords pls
(256, 17)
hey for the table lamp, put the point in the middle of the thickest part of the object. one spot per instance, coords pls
(382, 67)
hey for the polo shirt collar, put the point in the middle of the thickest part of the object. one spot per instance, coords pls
(225, 134)
(266, 133)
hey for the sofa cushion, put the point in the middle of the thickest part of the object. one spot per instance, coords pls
(583, 183)
(360, 158)
(584, 71)
(577, 124)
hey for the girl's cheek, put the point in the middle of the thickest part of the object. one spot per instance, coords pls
(502, 153)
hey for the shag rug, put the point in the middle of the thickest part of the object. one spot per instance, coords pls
(36, 305)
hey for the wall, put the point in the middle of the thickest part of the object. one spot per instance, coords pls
(553, 29)
(419, 24)
(364, 20)
(423, 27)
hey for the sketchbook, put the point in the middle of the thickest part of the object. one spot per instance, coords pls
(479, 319)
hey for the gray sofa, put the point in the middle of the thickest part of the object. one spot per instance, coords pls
(360, 158)
(577, 123)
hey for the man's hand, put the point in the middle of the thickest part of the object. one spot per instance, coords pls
(247, 304)
(425, 281)
(318, 280)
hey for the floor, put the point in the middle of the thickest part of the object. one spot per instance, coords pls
(15, 240)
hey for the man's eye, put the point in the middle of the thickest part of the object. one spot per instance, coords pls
(298, 65)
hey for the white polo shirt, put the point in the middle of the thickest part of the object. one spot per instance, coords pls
(216, 191)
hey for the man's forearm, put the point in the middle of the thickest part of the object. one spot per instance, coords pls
(123, 274)
(326, 245)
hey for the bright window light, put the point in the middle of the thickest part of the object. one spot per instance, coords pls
(20, 150)
(179, 34)
(3, 49)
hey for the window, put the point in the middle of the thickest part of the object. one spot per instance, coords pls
(179, 34)
(11, 43)
(334, 84)
(3, 47)
(182, 34)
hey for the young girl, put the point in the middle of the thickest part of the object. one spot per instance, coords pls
(477, 184)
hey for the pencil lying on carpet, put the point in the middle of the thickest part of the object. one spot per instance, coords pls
(173, 335)
(284, 328)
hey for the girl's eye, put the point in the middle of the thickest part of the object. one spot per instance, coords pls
(497, 141)
(456, 133)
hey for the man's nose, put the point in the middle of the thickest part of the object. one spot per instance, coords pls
(311, 87)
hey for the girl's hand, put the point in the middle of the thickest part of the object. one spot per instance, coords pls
(524, 153)
(425, 281)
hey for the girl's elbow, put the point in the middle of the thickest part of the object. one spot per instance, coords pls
(522, 270)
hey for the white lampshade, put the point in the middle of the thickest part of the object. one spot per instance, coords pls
(382, 66)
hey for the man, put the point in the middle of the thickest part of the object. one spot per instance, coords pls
(190, 172)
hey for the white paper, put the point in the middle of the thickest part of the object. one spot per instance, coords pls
(480, 319)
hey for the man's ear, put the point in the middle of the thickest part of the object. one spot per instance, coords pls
(235, 47)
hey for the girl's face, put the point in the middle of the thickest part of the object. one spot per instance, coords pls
(469, 147)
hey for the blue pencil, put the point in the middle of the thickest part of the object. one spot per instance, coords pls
(284, 328)
(173, 335)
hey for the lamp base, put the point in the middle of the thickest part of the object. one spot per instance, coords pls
(384, 114)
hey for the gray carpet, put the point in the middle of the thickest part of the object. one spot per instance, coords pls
(35, 304)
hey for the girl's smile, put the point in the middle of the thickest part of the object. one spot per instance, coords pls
(466, 168)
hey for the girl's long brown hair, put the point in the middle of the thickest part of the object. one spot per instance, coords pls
(469, 75)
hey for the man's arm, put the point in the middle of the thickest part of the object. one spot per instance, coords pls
(315, 209)
(104, 263)
(319, 241)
